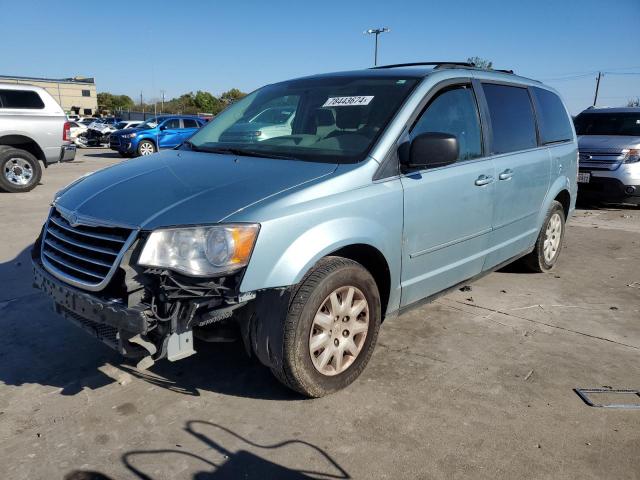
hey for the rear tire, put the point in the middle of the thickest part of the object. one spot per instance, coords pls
(146, 147)
(550, 240)
(20, 171)
(331, 328)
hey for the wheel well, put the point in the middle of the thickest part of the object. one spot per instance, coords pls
(23, 143)
(564, 198)
(373, 260)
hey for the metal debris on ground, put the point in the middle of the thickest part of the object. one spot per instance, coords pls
(584, 394)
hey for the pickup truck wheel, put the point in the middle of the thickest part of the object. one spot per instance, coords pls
(331, 328)
(549, 243)
(146, 147)
(19, 170)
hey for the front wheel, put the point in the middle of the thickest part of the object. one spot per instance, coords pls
(19, 170)
(146, 147)
(550, 239)
(331, 328)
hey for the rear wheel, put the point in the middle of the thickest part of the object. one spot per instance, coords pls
(146, 147)
(20, 171)
(331, 328)
(549, 243)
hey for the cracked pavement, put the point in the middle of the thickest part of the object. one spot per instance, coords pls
(478, 384)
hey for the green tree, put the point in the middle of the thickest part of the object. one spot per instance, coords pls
(481, 62)
(634, 102)
(231, 96)
(110, 102)
(207, 103)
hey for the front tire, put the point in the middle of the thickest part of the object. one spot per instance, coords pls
(20, 171)
(146, 147)
(550, 240)
(331, 328)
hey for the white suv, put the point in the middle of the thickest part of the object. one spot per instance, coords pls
(33, 129)
(609, 144)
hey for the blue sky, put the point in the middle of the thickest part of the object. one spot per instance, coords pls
(186, 45)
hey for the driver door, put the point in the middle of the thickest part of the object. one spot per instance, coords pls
(170, 133)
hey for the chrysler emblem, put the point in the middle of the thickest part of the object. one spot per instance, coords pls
(70, 217)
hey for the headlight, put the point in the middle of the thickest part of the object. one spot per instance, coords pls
(631, 155)
(129, 135)
(200, 251)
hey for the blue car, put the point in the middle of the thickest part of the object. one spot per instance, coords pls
(157, 133)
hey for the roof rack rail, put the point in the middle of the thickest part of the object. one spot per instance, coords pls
(441, 65)
(418, 64)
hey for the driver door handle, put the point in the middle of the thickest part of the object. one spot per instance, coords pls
(483, 180)
(506, 175)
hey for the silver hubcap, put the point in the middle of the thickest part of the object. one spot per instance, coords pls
(146, 149)
(552, 237)
(339, 330)
(18, 171)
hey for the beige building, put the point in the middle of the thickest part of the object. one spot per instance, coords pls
(75, 95)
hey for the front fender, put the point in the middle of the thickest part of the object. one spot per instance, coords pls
(288, 246)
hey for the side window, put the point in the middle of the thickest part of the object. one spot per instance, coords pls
(86, 93)
(454, 111)
(512, 122)
(553, 121)
(172, 124)
(190, 123)
(21, 99)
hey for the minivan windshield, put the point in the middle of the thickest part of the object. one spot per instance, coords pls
(623, 124)
(333, 119)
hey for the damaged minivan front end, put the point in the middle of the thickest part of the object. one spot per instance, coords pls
(145, 293)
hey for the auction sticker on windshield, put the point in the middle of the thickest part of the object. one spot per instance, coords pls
(347, 101)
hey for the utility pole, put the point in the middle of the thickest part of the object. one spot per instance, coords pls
(162, 107)
(595, 98)
(376, 32)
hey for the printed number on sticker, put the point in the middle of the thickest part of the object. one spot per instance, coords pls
(347, 101)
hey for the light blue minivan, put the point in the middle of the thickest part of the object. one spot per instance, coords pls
(391, 186)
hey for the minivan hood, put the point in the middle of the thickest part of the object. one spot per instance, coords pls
(610, 143)
(179, 187)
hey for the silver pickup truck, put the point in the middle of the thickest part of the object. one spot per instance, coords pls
(33, 129)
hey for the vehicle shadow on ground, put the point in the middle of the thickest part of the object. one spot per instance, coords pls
(110, 154)
(239, 457)
(40, 347)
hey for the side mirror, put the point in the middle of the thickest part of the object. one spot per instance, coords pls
(163, 127)
(431, 150)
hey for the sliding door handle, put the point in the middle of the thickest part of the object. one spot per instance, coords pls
(506, 175)
(484, 180)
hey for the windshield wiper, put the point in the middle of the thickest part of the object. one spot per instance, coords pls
(244, 152)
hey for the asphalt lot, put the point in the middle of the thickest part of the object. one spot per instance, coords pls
(478, 384)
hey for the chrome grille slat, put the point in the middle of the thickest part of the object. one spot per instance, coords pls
(98, 236)
(61, 236)
(64, 263)
(85, 254)
(70, 253)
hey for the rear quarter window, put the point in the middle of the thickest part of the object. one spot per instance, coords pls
(512, 122)
(20, 99)
(553, 121)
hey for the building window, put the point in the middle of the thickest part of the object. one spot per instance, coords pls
(86, 93)
(87, 111)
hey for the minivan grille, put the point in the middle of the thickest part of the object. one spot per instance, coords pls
(85, 256)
